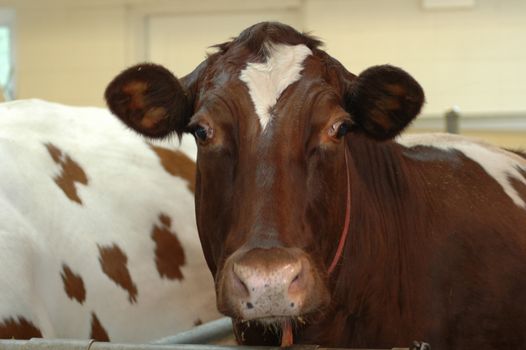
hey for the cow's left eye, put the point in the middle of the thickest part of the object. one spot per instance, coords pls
(340, 129)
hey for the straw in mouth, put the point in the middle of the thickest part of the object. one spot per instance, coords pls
(286, 334)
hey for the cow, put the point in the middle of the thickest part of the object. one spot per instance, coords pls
(98, 238)
(318, 221)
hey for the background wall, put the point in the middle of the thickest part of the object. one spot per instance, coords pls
(67, 53)
(474, 57)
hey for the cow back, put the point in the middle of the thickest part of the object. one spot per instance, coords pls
(97, 229)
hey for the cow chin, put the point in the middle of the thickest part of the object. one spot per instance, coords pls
(270, 285)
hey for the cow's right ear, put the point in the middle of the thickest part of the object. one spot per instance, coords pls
(150, 100)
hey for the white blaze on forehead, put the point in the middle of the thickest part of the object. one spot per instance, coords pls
(498, 163)
(266, 81)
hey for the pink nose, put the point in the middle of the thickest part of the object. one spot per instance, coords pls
(266, 283)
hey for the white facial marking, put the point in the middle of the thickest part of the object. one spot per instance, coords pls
(498, 163)
(266, 81)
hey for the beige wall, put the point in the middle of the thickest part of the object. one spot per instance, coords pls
(170, 43)
(474, 58)
(67, 50)
(68, 54)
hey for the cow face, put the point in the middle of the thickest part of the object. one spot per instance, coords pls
(272, 115)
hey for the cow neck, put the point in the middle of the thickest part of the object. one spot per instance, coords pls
(345, 230)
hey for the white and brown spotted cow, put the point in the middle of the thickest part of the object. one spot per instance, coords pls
(92, 242)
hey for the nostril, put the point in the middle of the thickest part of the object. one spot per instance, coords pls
(296, 285)
(239, 286)
(297, 277)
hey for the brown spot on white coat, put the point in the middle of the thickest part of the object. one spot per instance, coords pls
(169, 253)
(18, 329)
(113, 262)
(70, 173)
(98, 332)
(73, 284)
(177, 164)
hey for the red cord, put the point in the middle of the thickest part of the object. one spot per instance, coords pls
(345, 231)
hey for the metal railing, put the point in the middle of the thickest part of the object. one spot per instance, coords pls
(207, 333)
(199, 338)
(455, 121)
(64, 344)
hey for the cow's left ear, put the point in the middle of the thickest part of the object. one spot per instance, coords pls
(383, 100)
(149, 99)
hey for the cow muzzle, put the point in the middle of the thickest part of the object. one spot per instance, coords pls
(268, 284)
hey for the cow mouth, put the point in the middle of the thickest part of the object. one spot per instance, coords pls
(283, 327)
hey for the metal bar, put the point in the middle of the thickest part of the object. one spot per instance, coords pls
(198, 338)
(207, 333)
(499, 122)
(67, 344)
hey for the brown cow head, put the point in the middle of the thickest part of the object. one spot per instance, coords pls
(272, 115)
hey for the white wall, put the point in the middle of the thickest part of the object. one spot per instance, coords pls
(67, 50)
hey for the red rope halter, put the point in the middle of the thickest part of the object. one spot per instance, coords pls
(345, 231)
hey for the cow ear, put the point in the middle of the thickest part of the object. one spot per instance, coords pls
(149, 99)
(383, 100)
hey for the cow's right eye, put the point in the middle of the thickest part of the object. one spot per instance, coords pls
(202, 133)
